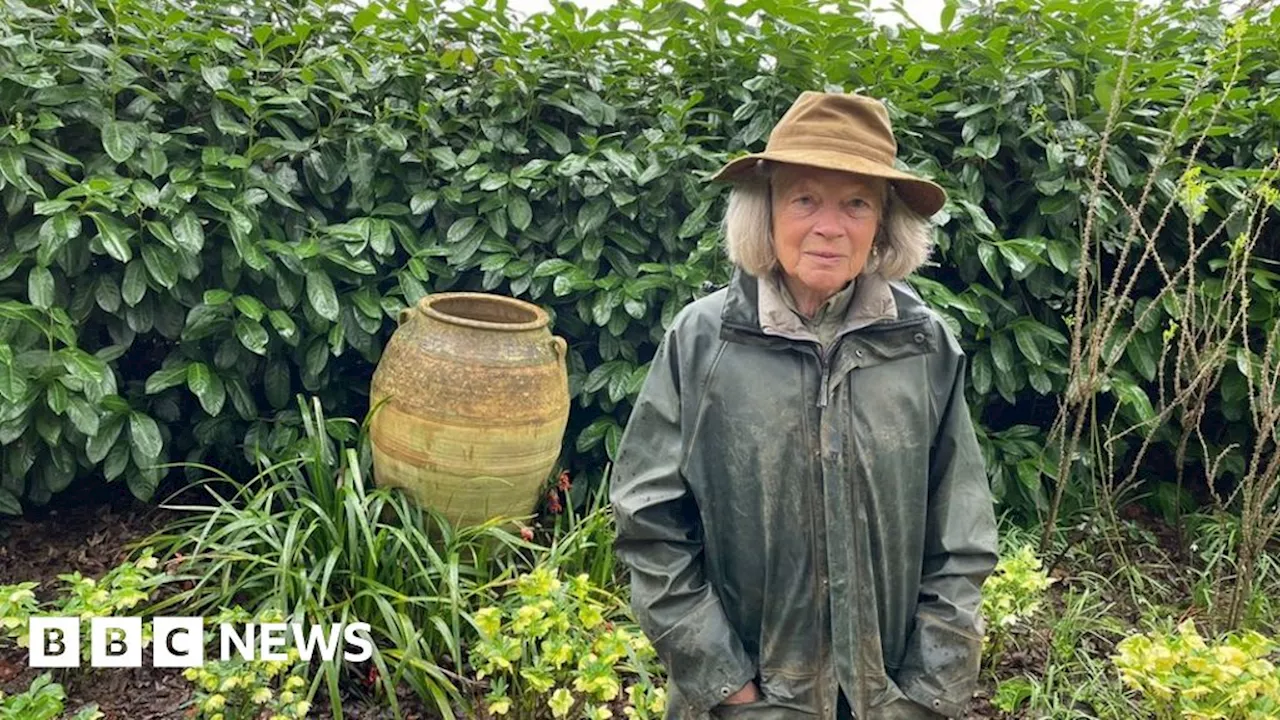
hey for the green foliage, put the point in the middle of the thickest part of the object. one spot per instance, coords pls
(44, 700)
(1012, 595)
(119, 591)
(240, 689)
(307, 537)
(211, 208)
(1214, 540)
(1179, 675)
(17, 604)
(582, 540)
(562, 649)
(214, 208)
(1012, 693)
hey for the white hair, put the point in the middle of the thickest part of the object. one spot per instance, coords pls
(904, 238)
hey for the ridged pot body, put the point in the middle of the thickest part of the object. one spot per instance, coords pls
(470, 401)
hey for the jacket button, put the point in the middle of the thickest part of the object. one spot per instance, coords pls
(919, 337)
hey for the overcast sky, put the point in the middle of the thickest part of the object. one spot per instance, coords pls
(925, 12)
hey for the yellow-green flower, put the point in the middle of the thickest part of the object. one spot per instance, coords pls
(489, 621)
(540, 681)
(1227, 655)
(215, 702)
(538, 583)
(562, 655)
(590, 616)
(599, 712)
(526, 616)
(301, 708)
(561, 702)
(261, 696)
(580, 586)
(294, 683)
(606, 688)
(1196, 691)
(641, 645)
(501, 706)
(1187, 631)
(658, 703)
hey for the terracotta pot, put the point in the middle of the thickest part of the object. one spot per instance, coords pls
(477, 400)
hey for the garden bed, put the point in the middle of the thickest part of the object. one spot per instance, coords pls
(91, 533)
(95, 534)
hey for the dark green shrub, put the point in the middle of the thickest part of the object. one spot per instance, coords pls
(209, 207)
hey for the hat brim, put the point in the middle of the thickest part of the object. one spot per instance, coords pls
(923, 196)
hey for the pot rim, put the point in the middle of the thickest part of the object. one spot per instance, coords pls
(427, 306)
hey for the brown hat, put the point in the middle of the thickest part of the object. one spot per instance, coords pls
(836, 131)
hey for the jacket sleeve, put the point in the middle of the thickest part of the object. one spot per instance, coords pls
(659, 538)
(943, 654)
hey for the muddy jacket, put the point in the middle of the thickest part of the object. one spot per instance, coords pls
(811, 521)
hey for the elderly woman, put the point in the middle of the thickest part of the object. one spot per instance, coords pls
(799, 492)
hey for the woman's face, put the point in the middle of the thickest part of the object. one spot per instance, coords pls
(824, 223)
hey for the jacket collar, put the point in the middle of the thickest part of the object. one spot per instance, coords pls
(831, 312)
(755, 305)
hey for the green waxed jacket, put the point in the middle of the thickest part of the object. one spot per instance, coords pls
(811, 521)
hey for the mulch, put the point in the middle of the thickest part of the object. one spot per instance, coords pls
(90, 534)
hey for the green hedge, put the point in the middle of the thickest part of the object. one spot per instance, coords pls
(209, 207)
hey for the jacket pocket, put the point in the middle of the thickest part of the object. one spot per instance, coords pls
(892, 704)
(763, 709)
(742, 710)
(784, 695)
(941, 672)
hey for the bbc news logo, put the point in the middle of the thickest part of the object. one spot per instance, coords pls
(179, 642)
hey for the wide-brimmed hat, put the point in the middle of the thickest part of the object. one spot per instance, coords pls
(838, 131)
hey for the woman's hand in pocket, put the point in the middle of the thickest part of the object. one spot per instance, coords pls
(748, 694)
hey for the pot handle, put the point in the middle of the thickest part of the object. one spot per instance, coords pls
(404, 315)
(560, 347)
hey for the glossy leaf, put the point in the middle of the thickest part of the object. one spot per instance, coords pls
(119, 139)
(144, 434)
(323, 298)
(40, 287)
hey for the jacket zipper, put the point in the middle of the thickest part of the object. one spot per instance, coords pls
(824, 380)
(817, 507)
